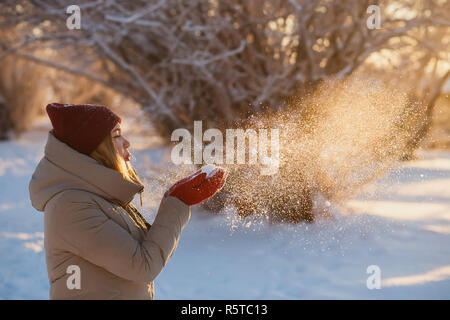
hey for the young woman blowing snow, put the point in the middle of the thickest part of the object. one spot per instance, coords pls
(85, 185)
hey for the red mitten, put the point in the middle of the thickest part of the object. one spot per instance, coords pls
(198, 187)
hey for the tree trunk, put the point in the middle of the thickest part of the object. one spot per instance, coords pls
(5, 120)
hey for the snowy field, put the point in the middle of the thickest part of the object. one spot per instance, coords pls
(401, 223)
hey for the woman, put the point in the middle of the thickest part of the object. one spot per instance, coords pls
(97, 244)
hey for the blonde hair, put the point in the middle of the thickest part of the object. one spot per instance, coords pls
(107, 155)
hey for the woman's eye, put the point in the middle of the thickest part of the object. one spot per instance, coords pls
(117, 136)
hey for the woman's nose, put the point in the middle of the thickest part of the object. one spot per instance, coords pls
(126, 144)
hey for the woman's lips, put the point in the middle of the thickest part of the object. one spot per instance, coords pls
(127, 157)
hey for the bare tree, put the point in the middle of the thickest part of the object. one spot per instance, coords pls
(219, 61)
(205, 59)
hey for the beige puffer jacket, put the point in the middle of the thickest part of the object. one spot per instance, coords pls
(86, 226)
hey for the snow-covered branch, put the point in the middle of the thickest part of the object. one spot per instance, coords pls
(214, 60)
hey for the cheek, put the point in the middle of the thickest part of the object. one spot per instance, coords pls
(118, 145)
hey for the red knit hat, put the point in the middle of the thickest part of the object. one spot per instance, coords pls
(82, 126)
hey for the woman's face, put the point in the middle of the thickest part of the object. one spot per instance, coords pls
(120, 142)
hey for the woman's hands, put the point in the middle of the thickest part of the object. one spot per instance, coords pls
(198, 187)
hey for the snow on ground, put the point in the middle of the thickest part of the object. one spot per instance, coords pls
(401, 223)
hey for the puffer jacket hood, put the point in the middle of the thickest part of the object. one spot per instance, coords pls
(63, 168)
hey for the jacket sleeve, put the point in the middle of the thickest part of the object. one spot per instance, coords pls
(86, 231)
